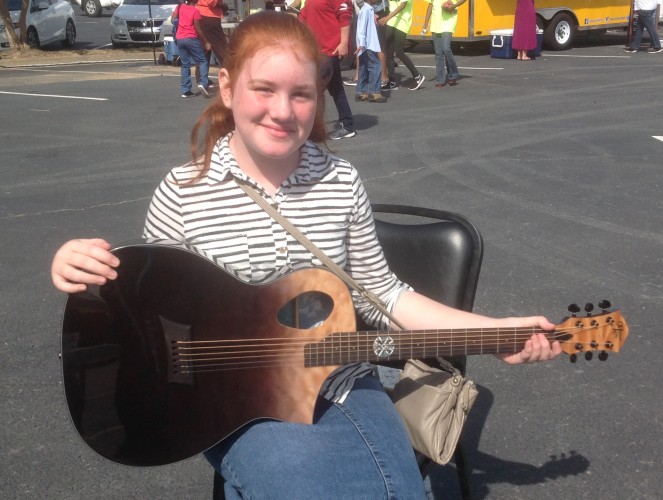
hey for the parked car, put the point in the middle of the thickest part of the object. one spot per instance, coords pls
(47, 21)
(94, 8)
(131, 22)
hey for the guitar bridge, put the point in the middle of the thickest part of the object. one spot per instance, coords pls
(179, 363)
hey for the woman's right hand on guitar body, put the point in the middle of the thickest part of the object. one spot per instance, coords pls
(83, 262)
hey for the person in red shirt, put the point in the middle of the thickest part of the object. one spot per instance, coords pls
(329, 21)
(191, 44)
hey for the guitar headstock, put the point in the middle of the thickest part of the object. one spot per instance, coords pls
(604, 332)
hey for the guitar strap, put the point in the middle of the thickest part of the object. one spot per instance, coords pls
(311, 247)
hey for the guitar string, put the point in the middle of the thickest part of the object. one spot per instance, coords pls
(371, 335)
(280, 357)
(430, 337)
(194, 348)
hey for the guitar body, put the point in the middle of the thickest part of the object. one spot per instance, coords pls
(169, 359)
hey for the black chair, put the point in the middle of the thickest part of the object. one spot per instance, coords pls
(438, 253)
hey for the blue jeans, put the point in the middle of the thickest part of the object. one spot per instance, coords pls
(331, 74)
(191, 51)
(646, 21)
(444, 58)
(370, 73)
(358, 449)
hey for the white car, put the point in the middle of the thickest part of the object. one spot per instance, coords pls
(47, 21)
(131, 22)
(93, 8)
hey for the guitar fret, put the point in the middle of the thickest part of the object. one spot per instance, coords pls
(481, 336)
(514, 341)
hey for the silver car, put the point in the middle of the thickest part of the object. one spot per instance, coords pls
(133, 23)
(47, 21)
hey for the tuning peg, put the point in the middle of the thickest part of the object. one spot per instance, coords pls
(573, 358)
(589, 355)
(603, 355)
(573, 309)
(604, 305)
(589, 307)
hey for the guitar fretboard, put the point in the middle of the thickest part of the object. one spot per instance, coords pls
(381, 346)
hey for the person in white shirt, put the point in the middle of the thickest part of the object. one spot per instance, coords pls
(646, 10)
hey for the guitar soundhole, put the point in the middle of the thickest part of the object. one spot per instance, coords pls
(308, 310)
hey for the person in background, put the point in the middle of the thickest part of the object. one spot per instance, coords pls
(524, 29)
(398, 23)
(368, 62)
(263, 130)
(380, 9)
(212, 11)
(329, 20)
(646, 10)
(441, 19)
(191, 44)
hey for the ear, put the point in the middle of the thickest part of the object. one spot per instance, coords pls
(225, 91)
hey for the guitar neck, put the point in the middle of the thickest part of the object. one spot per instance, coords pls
(383, 346)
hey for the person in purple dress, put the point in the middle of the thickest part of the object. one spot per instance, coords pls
(524, 29)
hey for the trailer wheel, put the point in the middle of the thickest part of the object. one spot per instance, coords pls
(560, 32)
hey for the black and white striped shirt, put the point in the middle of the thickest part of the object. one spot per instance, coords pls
(324, 198)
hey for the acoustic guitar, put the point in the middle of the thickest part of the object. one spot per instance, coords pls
(176, 354)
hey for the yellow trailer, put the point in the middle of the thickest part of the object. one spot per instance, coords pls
(560, 20)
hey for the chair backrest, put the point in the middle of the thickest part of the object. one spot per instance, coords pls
(437, 252)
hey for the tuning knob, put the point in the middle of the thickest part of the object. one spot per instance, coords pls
(574, 309)
(589, 355)
(589, 307)
(603, 355)
(604, 304)
(573, 358)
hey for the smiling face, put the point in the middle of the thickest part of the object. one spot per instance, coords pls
(273, 101)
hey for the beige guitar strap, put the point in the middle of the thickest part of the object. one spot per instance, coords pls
(311, 247)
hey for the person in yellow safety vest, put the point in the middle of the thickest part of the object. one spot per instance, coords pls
(441, 19)
(398, 23)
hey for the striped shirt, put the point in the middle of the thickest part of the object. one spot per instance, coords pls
(323, 197)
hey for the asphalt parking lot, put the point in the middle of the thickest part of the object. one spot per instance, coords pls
(557, 161)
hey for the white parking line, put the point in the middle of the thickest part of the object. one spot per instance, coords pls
(461, 67)
(55, 95)
(548, 54)
(658, 137)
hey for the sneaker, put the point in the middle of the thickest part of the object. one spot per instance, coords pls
(418, 81)
(350, 83)
(377, 98)
(205, 91)
(342, 133)
(655, 50)
(630, 50)
(188, 93)
(390, 85)
(363, 96)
